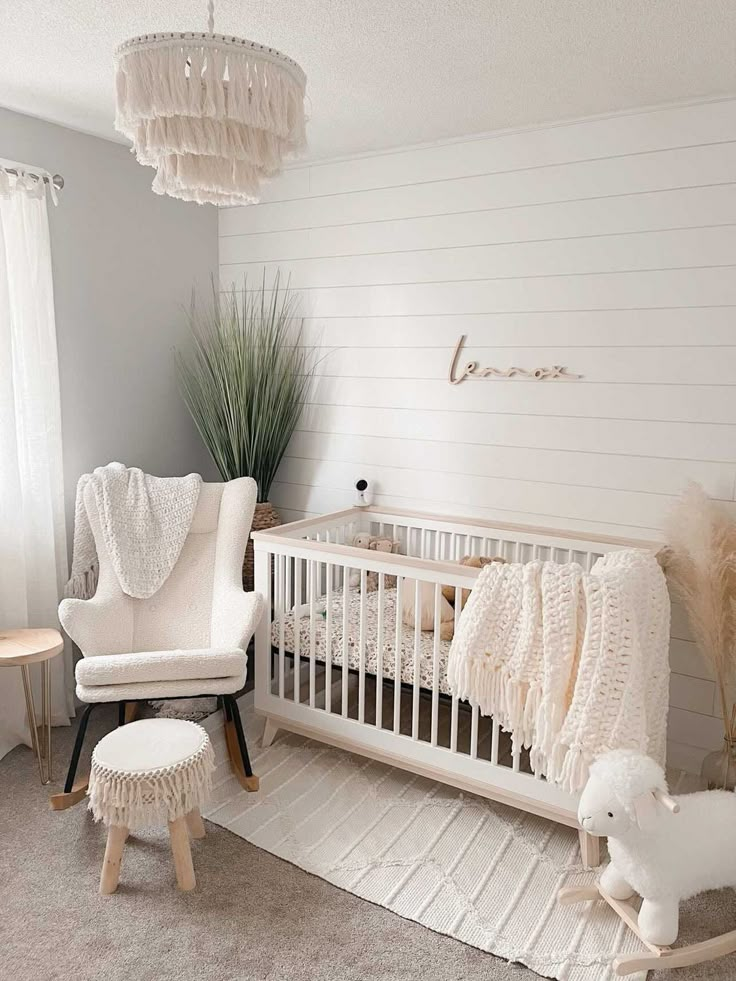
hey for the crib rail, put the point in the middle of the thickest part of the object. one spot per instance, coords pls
(354, 647)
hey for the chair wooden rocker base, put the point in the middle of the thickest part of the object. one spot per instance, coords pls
(75, 789)
(657, 958)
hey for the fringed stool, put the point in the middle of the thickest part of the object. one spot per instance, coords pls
(145, 774)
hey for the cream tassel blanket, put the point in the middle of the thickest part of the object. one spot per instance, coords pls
(571, 663)
(144, 522)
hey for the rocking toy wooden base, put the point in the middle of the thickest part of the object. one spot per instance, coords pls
(657, 958)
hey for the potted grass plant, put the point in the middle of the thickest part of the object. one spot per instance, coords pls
(700, 562)
(245, 377)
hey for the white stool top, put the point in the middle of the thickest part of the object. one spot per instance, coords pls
(150, 744)
(149, 772)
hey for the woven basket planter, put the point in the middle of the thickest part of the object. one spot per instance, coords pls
(265, 516)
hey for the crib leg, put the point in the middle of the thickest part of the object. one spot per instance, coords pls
(590, 849)
(269, 733)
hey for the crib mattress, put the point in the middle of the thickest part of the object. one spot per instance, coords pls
(406, 643)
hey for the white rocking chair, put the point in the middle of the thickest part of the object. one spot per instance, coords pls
(187, 640)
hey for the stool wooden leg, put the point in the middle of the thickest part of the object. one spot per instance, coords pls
(195, 823)
(182, 854)
(116, 835)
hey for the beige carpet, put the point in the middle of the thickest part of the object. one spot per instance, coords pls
(253, 915)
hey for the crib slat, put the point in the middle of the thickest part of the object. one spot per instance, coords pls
(453, 711)
(297, 628)
(436, 665)
(417, 657)
(281, 561)
(397, 656)
(345, 631)
(328, 639)
(361, 646)
(312, 596)
(379, 650)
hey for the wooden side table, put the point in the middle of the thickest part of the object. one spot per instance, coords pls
(22, 648)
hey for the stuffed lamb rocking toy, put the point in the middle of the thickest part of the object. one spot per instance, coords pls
(664, 848)
(169, 618)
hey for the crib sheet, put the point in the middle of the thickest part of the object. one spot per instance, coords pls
(406, 646)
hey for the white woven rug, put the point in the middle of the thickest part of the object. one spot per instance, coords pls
(481, 872)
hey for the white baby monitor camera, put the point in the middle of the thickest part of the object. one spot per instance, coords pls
(365, 495)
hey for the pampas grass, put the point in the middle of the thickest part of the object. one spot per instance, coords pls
(700, 562)
(245, 378)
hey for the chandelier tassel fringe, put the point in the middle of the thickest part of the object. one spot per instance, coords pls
(216, 116)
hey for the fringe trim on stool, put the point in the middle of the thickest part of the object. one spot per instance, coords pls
(151, 798)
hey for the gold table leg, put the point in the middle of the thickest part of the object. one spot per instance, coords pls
(46, 712)
(43, 752)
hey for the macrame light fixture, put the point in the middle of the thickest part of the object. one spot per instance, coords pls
(215, 115)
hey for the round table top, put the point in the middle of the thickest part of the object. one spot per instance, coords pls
(149, 744)
(27, 645)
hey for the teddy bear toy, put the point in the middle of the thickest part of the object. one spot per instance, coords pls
(375, 543)
(472, 562)
(426, 608)
(664, 848)
(447, 599)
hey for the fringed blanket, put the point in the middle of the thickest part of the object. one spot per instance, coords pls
(144, 522)
(571, 663)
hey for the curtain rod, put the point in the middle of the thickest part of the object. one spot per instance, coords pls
(57, 179)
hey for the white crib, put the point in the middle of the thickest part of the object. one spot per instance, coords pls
(338, 665)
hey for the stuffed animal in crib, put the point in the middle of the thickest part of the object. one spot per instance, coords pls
(376, 543)
(664, 848)
(426, 608)
(473, 562)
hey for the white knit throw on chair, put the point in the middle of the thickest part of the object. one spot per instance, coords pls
(571, 663)
(144, 521)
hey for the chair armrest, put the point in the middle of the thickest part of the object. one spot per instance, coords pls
(235, 616)
(98, 625)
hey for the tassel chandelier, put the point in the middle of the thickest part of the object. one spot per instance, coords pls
(215, 115)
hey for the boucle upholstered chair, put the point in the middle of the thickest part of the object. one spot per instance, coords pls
(189, 639)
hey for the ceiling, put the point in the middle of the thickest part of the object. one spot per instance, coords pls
(385, 73)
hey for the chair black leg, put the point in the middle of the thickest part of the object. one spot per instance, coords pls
(232, 710)
(76, 752)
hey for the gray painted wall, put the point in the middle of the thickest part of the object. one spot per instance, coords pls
(125, 261)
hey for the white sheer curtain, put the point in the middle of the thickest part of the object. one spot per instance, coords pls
(33, 560)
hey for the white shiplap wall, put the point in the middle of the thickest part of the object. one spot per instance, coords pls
(606, 245)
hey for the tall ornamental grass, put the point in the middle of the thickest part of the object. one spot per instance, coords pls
(245, 378)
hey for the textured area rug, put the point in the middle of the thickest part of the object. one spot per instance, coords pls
(466, 867)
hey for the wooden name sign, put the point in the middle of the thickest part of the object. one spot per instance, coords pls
(471, 369)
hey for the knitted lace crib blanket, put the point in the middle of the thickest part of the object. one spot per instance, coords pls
(144, 522)
(571, 663)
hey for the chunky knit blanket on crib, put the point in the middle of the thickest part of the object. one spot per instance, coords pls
(144, 522)
(571, 663)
